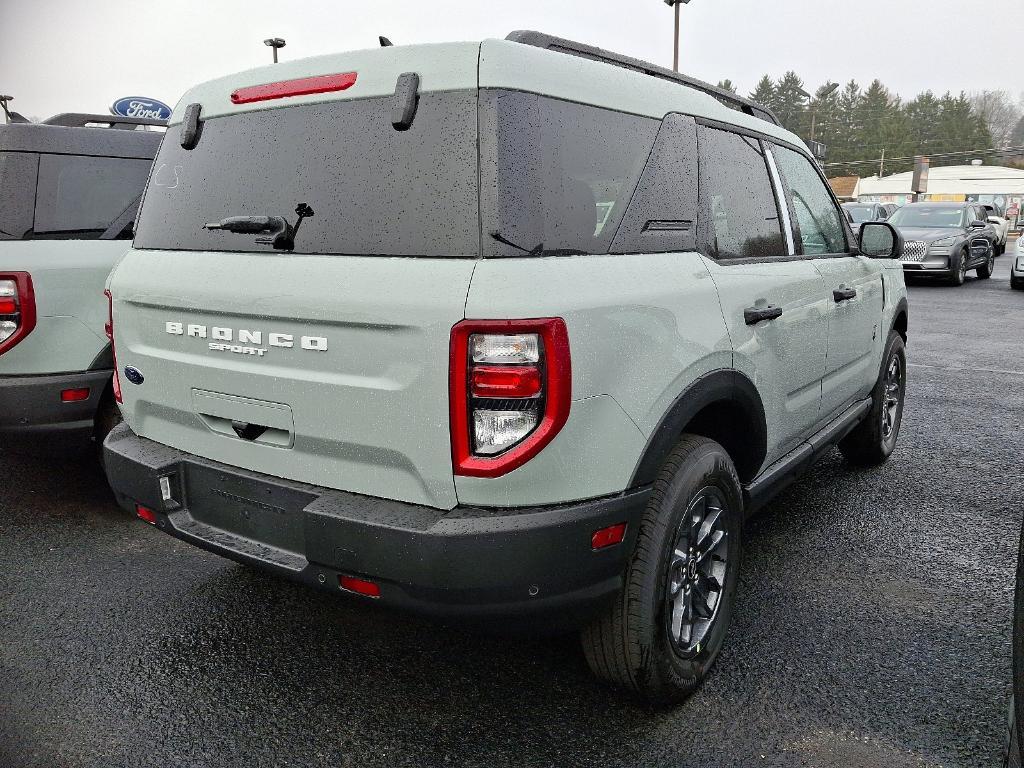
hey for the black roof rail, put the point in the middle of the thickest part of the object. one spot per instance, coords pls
(561, 45)
(82, 119)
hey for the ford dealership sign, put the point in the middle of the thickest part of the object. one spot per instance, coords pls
(139, 106)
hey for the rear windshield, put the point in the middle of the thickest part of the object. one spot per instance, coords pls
(860, 213)
(374, 190)
(549, 177)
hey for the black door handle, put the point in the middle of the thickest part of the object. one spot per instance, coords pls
(844, 294)
(755, 314)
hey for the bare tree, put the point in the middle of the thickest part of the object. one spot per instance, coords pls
(1000, 113)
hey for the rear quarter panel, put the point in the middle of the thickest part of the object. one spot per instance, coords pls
(641, 327)
(68, 278)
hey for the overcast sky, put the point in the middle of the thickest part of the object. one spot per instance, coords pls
(73, 55)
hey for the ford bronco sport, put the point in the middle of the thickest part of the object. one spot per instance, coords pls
(69, 191)
(512, 330)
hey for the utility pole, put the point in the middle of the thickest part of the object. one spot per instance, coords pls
(675, 47)
(881, 164)
(275, 43)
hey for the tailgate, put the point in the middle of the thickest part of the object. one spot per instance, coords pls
(330, 370)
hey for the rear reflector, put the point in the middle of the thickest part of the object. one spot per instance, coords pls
(303, 86)
(359, 586)
(613, 534)
(74, 395)
(145, 513)
(505, 381)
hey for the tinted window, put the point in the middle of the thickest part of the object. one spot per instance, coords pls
(81, 196)
(562, 174)
(861, 213)
(737, 199)
(817, 217)
(374, 190)
(928, 216)
(17, 193)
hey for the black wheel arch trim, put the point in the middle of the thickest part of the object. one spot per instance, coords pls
(902, 308)
(722, 386)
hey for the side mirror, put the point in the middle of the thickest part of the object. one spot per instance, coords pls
(978, 224)
(880, 240)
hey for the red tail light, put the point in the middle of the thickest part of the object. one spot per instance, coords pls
(109, 329)
(17, 308)
(606, 537)
(510, 389)
(302, 86)
(76, 395)
(145, 513)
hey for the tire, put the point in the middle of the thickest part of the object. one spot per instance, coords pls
(985, 270)
(635, 644)
(871, 441)
(960, 275)
(1016, 284)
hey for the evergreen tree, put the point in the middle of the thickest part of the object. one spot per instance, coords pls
(790, 102)
(727, 85)
(764, 93)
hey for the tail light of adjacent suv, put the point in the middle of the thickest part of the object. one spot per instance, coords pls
(511, 385)
(108, 327)
(17, 308)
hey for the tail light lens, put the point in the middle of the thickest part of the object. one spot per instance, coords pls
(17, 308)
(511, 386)
(108, 327)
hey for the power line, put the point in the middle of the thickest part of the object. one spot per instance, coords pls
(937, 156)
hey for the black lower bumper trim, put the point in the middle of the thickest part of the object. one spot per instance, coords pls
(33, 418)
(528, 563)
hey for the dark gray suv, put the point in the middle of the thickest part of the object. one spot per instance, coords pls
(946, 240)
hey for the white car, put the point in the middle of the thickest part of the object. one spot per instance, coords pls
(1002, 225)
(1017, 268)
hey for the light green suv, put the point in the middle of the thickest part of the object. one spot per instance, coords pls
(513, 331)
(69, 191)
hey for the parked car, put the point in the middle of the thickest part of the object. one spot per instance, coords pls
(1017, 268)
(1001, 223)
(946, 240)
(859, 213)
(522, 337)
(70, 190)
(890, 209)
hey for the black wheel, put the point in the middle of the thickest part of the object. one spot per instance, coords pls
(960, 268)
(985, 270)
(1016, 284)
(663, 632)
(871, 441)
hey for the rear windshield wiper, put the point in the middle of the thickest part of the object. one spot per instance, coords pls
(539, 249)
(280, 234)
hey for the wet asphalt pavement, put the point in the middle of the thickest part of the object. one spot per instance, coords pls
(872, 625)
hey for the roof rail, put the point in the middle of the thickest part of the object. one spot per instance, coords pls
(82, 119)
(561, 45)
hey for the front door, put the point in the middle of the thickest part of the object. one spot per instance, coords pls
(853, 284)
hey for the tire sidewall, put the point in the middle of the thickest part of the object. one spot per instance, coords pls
(710, 467)
(895, 346)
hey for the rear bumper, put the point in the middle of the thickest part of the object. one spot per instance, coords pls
(34, 418)
(530, 564)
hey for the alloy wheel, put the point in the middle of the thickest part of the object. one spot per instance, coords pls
(696, 572)
(891, 402)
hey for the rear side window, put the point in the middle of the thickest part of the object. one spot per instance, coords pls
(374, 190)
(80, 197)
(817, 217)
(17, 193)
(737, 199)
(557, 176)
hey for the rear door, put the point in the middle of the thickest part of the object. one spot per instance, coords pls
(853, 284)
(327, 364)
(757, 273)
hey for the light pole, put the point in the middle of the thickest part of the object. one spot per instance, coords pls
(814, 112)
(675, 48)
(275, 43)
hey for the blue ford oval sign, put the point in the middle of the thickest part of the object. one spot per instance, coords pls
(140, 106)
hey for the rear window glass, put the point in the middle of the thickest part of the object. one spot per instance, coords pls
(80, 197)
(562, 174)
(374, 190)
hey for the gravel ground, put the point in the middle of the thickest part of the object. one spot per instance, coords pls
(872, 622)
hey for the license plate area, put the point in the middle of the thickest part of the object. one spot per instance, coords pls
(239, 504)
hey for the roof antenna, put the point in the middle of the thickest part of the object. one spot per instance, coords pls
(384, 42)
